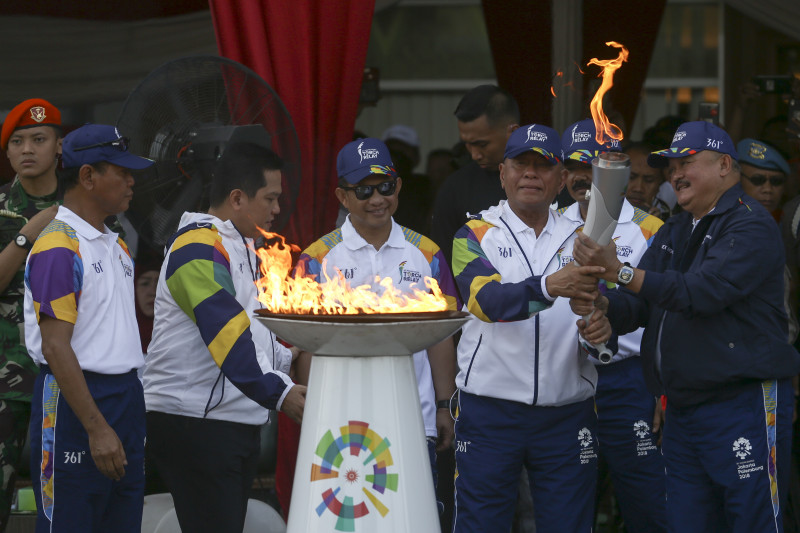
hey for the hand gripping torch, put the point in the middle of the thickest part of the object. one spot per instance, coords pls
(610, 173)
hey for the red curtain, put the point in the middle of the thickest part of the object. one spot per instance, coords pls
(520, 35)
(633, 23)
(312, 53)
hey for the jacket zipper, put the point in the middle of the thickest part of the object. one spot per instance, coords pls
(472, 359)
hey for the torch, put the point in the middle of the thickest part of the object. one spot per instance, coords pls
(610, 173)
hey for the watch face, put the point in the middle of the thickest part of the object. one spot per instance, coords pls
(625, 275)
(21, 240)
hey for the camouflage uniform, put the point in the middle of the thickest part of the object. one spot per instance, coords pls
(17, 369)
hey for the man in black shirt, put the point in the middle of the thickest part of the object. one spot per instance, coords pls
(486, 117)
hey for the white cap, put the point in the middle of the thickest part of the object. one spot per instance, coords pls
(399, 132)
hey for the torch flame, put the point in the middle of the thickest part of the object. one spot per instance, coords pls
(602, 125)
(280, 292)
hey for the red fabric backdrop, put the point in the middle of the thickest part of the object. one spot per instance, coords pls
(520, 35)
(312, 53)
(633, 23)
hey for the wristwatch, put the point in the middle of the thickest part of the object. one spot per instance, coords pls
(625, 274)
(23, 242)
(443, 404)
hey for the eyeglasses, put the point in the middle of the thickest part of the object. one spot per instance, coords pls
(364, 192)
(120, 144)
(758, 180)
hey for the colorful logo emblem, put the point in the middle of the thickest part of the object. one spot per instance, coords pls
(37, 113)
(354, 467)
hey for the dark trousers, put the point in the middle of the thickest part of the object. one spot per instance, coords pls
(557, 445)
(728, 462)
(71, 493)
(624, 417)
(208, 467)
(14, 417)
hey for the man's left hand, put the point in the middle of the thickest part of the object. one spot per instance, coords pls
(444, 425)
(598, 330)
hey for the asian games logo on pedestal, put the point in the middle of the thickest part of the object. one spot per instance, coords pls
(355, 469)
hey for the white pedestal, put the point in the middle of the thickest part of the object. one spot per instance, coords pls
(363, 462)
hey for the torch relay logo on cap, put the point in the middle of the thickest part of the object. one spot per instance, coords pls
(535, 136)
(369, 153)
(679, 135)
(580, 136)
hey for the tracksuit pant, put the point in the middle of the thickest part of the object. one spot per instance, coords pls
(71, 493)
(728, 461)
(624, 429)
(496, 438)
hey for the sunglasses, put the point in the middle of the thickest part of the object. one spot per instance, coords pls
(120, 144)
(364, 192)
(758, 180)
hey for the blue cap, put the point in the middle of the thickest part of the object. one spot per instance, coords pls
(691, 138)
(761, 155)
(93, 143)
(358, 159)
(535, 138)
(579, 144)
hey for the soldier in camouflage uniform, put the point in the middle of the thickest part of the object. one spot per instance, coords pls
(31, 137)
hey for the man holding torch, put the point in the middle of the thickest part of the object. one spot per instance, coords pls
(709, 292)
(525, 388)
(625, 409)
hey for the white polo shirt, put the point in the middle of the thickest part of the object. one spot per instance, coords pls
(407, 258)
(79, 275)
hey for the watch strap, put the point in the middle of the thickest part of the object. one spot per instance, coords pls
(443, 404)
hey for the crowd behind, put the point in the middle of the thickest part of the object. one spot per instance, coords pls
(697, 297)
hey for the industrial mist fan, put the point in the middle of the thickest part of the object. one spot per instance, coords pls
(182, 115)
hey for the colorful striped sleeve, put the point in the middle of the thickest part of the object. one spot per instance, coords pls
(54, 273)
(648, 223)
(199, 279)
(310, 261)
(488, 298)
(440, 271)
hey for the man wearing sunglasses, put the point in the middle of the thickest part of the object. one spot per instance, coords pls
(369, 244)
(764, 173)
(87, 421)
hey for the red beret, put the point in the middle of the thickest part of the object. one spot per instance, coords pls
(29, 114)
